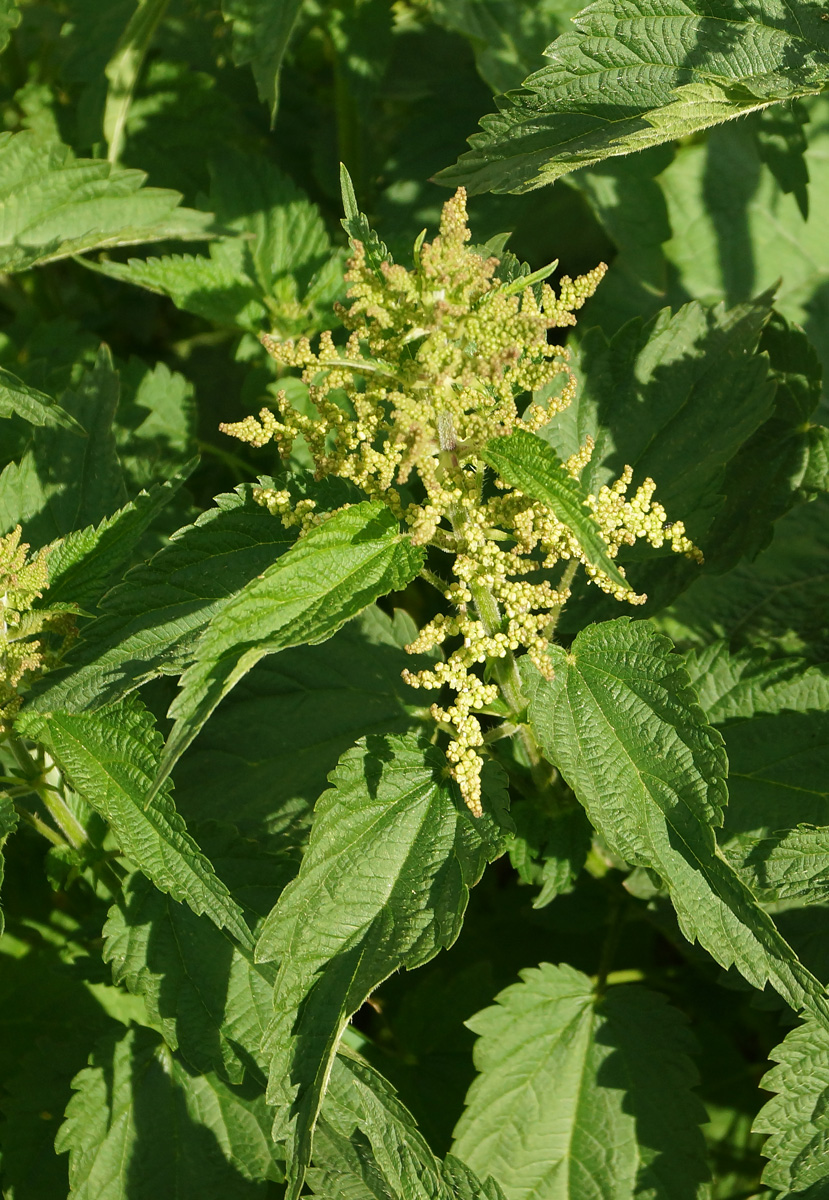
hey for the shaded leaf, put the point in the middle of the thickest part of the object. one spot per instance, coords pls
(261, 31)
(550, 845)
(693, 378)
(138, 1118)
(368, 1145)
(8, 824)
(777, 603)
(508, 39)
(205, 994)
(281, 269)
(781, 142)
(332, 573)
(734, 687)
(778, 777)
(110, 758)
(32, 405)
(384, 884)
(82, 563)
(735, 233)
(56, 205)
(282, 729)
(64, 482)
(595, 1090)
(9, 20)
(791, 864)
(123, 69)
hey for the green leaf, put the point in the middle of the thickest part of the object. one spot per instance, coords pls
(282, 729)
(332, 573)
(781, 144)
(527, 462)
(595, 1089)
(9, 20)
(64, 482)
(792, 864)
(777, 603)
(638, 74)
(261, 32)
(508, 39)
(82, 563)
(205, 994)
(693, 378)
(735, 232)
(8, 824)
(123, 69)
(623, 726)
(32, 405)
(110, 758)
(281, 268)
(57, 205)
(138, 1117)
(797, 1118)
(734, 687)
(384, 884)
(150, 622)
(357, 226)
(366, 1137)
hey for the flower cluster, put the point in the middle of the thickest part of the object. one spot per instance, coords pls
(436, 362)
(22, 581)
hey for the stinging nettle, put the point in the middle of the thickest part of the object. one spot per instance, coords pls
(436, 364)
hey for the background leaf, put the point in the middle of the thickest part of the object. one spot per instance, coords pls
(32, 405)
(594, 1089)
(57, 205)
(261, 31)
(137, 1115)
(8, 824)
(205, 994)
(276, 737)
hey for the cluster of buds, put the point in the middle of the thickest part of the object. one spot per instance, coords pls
(437, 360)
(22, 581)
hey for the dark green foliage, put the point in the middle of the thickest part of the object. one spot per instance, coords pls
(254, 943)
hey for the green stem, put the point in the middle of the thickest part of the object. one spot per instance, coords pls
(563, 586)
(53, 802)
(611, 941)
(435, 580)
(42, 828)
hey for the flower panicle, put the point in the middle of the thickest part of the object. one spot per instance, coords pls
(23, 579)
(436, 361)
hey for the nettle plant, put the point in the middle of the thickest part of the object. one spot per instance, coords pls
(413, 688)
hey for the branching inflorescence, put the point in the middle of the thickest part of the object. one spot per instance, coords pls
(435, 364)
(22, 581)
